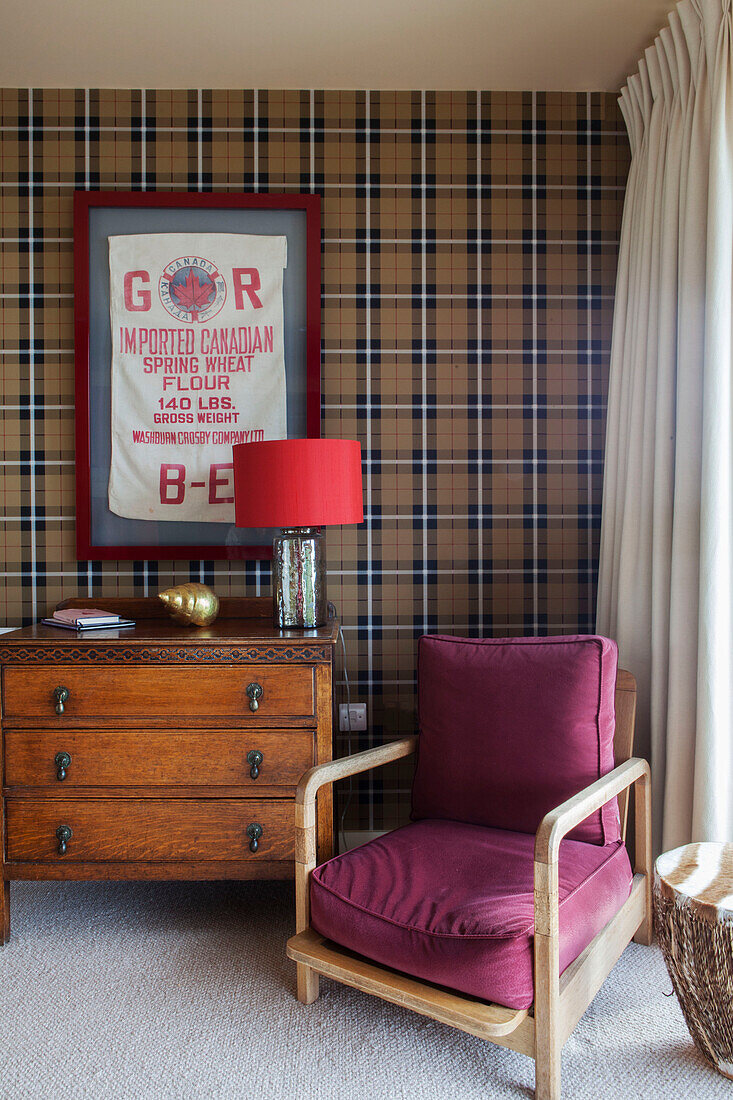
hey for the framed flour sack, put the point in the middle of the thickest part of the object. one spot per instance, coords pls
(197, 326)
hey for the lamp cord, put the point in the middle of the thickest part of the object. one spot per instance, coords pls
(350, 794)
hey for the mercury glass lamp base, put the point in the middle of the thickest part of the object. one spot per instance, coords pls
(299, 578)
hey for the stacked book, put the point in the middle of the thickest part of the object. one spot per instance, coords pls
(86, 618)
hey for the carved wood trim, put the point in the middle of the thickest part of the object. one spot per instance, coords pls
(153, 654)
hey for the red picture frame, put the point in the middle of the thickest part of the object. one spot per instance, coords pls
(85, 204)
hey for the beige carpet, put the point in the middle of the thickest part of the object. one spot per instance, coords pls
(122, 990)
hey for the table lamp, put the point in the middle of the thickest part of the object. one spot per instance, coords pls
(299, 485)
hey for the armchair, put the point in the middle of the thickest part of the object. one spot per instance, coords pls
(497, 914)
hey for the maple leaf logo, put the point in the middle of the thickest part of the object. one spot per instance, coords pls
(193, 295)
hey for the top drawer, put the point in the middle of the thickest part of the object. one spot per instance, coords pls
(151, 691)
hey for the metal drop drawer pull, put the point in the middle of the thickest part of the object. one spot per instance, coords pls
(254, 832)
(62, 760)
(61, 696)
(254, 691)
(63, 835)
(254, 759)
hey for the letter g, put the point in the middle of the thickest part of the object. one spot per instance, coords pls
(141, 302)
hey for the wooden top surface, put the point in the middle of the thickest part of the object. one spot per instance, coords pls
(699, 876)
(240, 621)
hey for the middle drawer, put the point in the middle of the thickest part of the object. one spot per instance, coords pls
(140, 758)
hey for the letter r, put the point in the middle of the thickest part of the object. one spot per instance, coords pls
(250, 287)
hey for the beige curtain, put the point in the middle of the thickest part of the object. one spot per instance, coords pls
(666, 564)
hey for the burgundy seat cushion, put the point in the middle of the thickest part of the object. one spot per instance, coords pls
(453, 904)
(511, 727)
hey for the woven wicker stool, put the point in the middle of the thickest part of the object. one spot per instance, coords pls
(693, 903)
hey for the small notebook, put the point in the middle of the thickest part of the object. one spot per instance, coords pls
(88, 626)
(86, 618)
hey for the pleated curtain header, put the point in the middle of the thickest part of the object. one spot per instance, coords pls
(668, 67)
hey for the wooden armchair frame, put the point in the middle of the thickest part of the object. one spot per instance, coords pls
(560, 1000)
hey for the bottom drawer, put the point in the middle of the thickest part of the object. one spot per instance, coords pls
(148, 829)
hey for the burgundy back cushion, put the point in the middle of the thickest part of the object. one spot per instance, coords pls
(511, 727)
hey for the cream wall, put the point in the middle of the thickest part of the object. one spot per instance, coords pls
(569, 45)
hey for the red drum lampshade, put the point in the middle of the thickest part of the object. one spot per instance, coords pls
(298, 483)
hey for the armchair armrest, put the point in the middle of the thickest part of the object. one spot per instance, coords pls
(553, 827)
(558, 822)
(315, 778)
(305, 823)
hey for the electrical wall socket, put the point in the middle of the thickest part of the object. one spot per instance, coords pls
(352, 718)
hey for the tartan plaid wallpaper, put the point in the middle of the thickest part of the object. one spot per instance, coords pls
(469, 254)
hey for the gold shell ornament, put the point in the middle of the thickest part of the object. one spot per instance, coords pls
(191, 604)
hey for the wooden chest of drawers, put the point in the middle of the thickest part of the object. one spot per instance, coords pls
(161, 751)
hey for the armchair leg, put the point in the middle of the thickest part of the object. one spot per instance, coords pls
(307, 978)
(548, 1044)
(643, 855)
(308, 983)
(548, 1048)
(645, 932)
(547, 1078)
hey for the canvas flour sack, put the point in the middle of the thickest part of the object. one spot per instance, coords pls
(197, 365)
